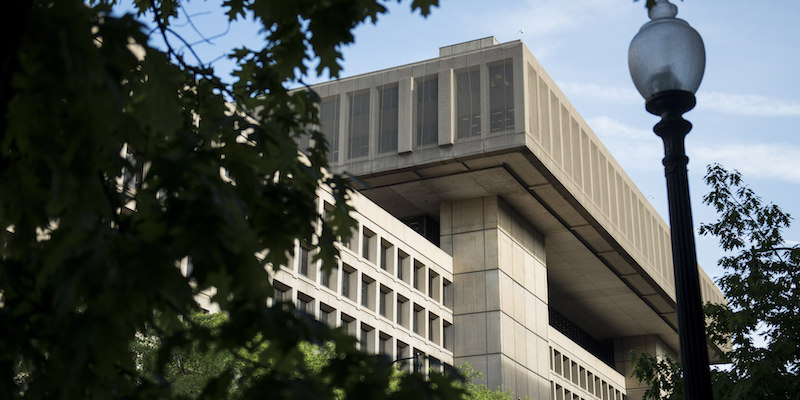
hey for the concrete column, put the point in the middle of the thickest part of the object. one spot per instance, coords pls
(500, 294)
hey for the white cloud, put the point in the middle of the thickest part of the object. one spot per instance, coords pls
(600, 92)
(747, 104)
(778, 161)
(637, 148)
(751, 105)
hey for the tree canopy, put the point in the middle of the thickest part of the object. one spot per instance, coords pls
(761, 322)
(120, 160)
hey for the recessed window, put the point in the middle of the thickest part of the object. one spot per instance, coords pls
(419, 276)
(403, 266)
(367, 338)
(433, 328)
(348, 324)
(349, 288)
(468, 103)
(387, 257)
(327, 314)
(403, 311)
(386, 302)
(329, 125)
(419, 320)
(447, 293)
(402, 354)
(305, 303)
(386, 345)
(282, 295)
(387, 119)
(367, 292)
(501, 97)
(447, 335)
(359, 125)
(306, 264)
(427, 110)
(369, 242)
(433, 285)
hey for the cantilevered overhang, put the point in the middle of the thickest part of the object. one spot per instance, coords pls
(593, 279)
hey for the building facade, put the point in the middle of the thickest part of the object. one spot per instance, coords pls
(494, 229)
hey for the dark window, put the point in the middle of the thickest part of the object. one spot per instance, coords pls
(359, 125)
(427, 111)
(387, 120)
(329, 125)
(468, 103)
(501, 97)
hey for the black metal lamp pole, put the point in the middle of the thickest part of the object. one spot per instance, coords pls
(667, 60)
(672, 129)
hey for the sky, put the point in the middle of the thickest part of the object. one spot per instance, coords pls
(748, 105)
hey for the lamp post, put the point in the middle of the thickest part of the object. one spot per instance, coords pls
(666, 60)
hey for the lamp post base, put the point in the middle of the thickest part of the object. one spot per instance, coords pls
(672, 129)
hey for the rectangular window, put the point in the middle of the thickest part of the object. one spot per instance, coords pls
(402, 311)
(402, 354)
(305, 303)
(359, 125)
(447, 336)
(368, 243)
(419, 320)
(447, 293)
(329, 125)
(349, 282)
(387, 257)
(281, 295)
(385, 344)
(427, 110)
(305, 260)
(367, 292)
(327, 314)
(386, 302)
(433, 285)
(433, 328)
(501, 97)
(468, 103)
(419, 276)
(367, 338)
(403, 264)
(387, 119)
(349, 324)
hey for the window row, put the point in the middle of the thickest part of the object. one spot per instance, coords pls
(389, 258)
(425, 324)
(425, 105)
(580, 377)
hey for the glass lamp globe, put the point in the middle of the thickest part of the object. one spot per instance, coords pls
(666, 54)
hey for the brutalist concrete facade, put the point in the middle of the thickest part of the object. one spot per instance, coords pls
(559, 266)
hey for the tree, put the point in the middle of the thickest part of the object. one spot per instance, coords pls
(120, 160)
(761, 321)
(190, 367)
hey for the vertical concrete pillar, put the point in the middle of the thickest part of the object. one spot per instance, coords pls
(500, 294)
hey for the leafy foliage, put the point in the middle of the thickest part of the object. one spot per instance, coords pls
(190, 367)
(761, 322)
(120, 160)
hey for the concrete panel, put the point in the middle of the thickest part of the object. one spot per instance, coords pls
(469, 293)
(494, 331)
(468, 252)
(494, 371)
(472, 341)
(467, 215)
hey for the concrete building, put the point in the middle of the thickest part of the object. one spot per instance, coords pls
(494, 229)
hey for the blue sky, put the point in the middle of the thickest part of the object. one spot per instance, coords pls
(748, 109)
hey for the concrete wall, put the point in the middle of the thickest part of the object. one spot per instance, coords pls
(500, 293)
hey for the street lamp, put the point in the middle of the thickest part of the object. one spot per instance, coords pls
(666, 59)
